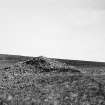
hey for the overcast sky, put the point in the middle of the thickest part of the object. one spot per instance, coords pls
(73, 29)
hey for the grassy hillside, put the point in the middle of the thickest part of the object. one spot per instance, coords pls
(7, 60)
(49, 81)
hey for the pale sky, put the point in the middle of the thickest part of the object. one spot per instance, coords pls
(71, 29)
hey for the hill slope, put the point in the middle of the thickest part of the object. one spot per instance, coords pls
(49, 81)
(7, 60)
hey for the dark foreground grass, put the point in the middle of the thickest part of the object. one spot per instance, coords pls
(45, 81)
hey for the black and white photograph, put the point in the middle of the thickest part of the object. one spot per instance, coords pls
(52, 52)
